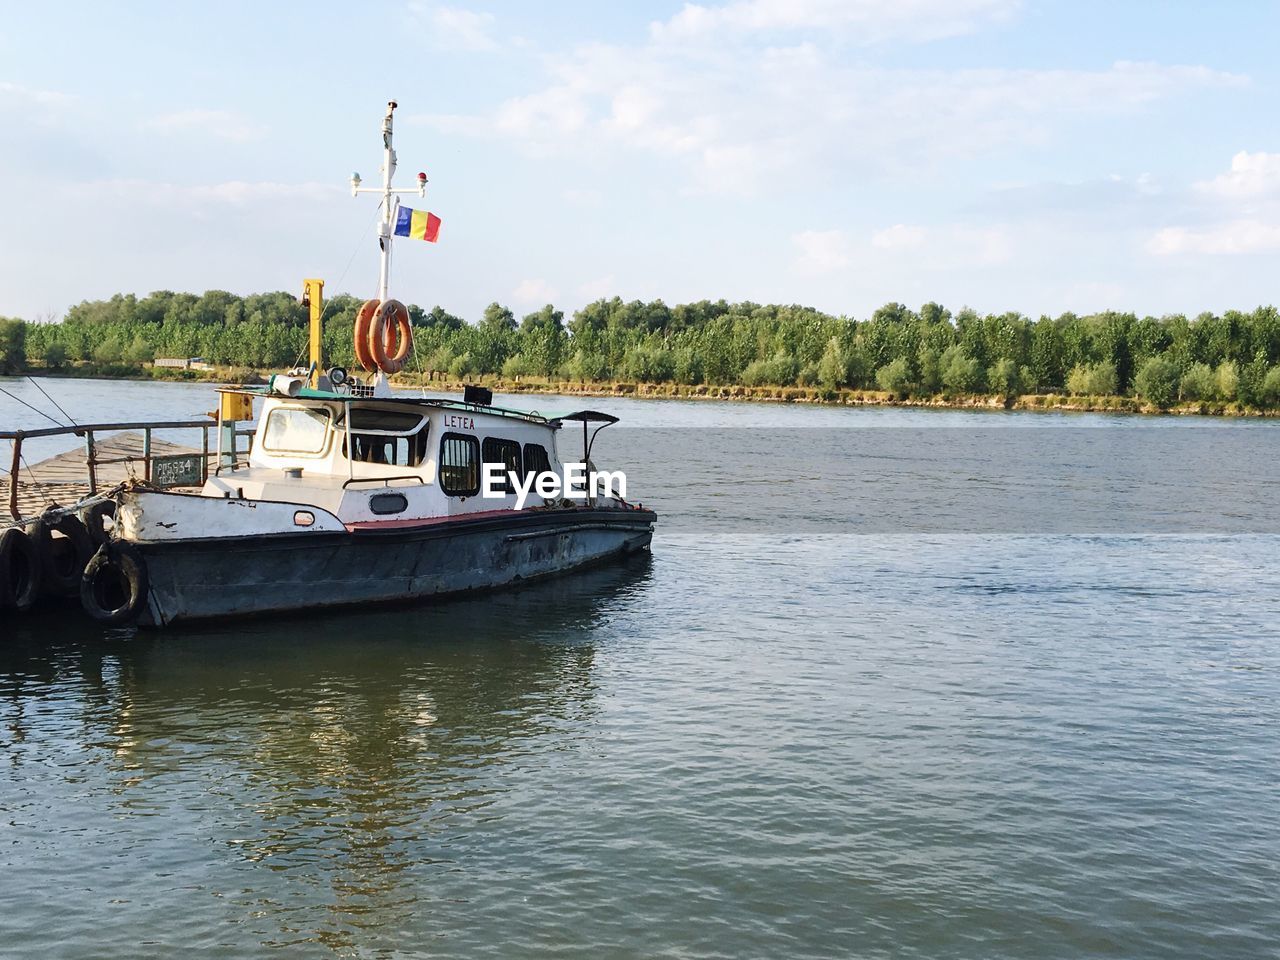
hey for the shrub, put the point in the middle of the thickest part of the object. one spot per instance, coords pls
(1251, 384)
(647, 364)
(463, 365)
(588, 365)
(1157, 381)
(1095, 379)
(961, 373)
(1271, 387)
(1226, 381)
(781, 369)
(516, 366)
(55, 356)
(139, 351)
(930, 371)
(1004, 378)
(108, 351)
(687, 366)
(833, 368)
(895, 376)
(1197, 383)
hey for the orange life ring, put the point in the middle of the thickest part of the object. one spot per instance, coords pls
(390, 336)
(364, 318)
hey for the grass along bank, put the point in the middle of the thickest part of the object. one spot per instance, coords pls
(1083, 402)
(840, 397)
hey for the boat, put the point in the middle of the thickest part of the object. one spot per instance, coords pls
(352, 494)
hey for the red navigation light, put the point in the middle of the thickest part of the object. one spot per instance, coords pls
(422, 177)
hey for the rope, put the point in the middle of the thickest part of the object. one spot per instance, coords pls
(53, 401)
(350, 260)
(33, 408)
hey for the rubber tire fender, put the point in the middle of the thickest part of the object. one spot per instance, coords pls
(16, 547)
(121, 560)
(391, 331)
(62, 581)
(94, 519)
(364, 325)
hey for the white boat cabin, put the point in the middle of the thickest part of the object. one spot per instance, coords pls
(380, 460)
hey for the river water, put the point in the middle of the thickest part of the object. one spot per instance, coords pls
(894, 683)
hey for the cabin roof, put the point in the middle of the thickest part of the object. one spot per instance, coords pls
(442, 403)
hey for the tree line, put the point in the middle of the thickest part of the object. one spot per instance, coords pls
(1234, 356)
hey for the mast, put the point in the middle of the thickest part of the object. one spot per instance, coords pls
(389, 202)
(390, 199)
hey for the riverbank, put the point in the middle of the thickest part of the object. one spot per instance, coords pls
(736, 392)
(847, 397)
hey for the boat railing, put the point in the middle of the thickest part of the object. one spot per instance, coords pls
(187, 464)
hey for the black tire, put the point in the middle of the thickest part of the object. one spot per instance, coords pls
(63, 557)
(94, 518)
(115, 584)
(19, 570)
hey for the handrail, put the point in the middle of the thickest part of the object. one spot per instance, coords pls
(87, 431)
(80, 430)
(387, 480)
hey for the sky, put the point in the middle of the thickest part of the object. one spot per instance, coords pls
(996, 154)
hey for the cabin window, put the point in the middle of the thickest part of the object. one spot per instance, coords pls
(388, 436)
(384, 421)
(507, 454)
(459, 465)
(297, 430)
(535, 459)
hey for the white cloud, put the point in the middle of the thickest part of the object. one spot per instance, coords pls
(898, 236)
(234, 193)
(1252, 175)
(583, 197)
(867, 21)
(822, 251)
(948, 245)
(534, 292)
(222, 124)
(740, 120)
(1239, 212)
(17, 93)
(454, 27)
(1235, 237)
(600, 287)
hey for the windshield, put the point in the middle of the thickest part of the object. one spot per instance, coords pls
(296, 430)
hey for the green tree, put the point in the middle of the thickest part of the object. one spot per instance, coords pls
(498, 318)
(138, 351)
(55, 356)
(1157, 381)
(895, 377)
(1226, 381)
(13, 350)
(1004, 378)
(833, 368)
(1093, 379)
(1270, 393)
(109, 350)
(961, 373)
(1197, 383)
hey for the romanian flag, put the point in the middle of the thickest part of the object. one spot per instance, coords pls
(417, 225)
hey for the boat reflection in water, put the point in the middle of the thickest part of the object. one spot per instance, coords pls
(353, 756)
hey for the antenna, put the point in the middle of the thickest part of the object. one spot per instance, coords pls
(390, 198)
